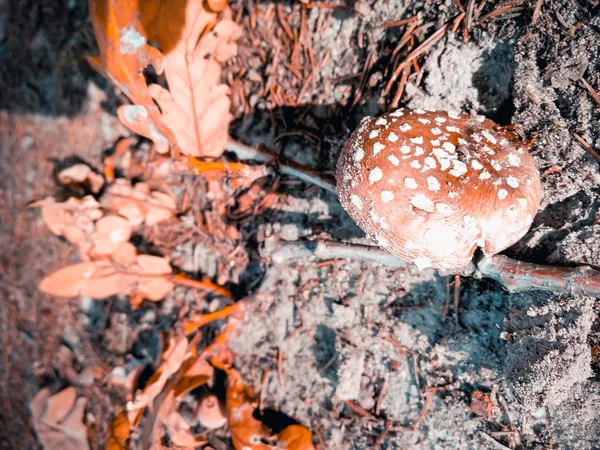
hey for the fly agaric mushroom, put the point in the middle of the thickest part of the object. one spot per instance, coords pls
(432, 186)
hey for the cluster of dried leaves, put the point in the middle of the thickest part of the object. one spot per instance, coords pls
(101, 231)
(191, 116)
(186, 113)
(153, 418)
(154, 410)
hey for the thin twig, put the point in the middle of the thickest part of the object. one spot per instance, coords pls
(469, 18)
(198, 320)
(424, 47)
(587, 147)
(359, 410)
(456, 297)
(381, 397)
(591, 90)
(324, 249)
(205, 284)
(429, 397)
(286, 167)
(397, 23)
(403, 80)
(502, 10)
(280, 367)
(536, 11)
(386, 430)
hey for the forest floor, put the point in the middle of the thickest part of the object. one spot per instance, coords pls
(363, 355)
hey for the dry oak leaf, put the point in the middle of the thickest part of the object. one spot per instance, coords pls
(146, 275)
(82, 174)
(82, 224)
(119, 432)
(247, 433)
(124, 53)
(73, 219)
(58, 420)
(196, 107)
(296, 437)
(250, 433)
(138, 203)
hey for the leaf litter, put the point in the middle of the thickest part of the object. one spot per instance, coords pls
(58, 419)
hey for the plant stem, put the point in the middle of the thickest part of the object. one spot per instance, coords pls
(205, 284)
(285, 166)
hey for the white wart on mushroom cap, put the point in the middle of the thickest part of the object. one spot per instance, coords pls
(432, 186)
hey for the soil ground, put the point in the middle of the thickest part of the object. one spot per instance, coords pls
(350, 333)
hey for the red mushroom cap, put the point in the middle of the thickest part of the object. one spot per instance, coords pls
(432, 186)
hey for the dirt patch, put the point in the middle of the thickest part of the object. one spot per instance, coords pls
(352, 346)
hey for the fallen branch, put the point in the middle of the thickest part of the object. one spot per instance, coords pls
(285, 166)
(519, 276)
(513, 275)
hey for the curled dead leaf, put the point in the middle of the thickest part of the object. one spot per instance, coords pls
(82, 174)
(58, 420)
(296, 437)
(246, 431)
(198, 374)
(140, 121)
(172, 359)
(73, 219)
(118, 433)
(138, 203)
(124, 53)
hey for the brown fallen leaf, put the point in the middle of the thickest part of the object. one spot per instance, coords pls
(153, 280)
(82, 174)
(118, 433)
(296, 437)
(96, 279)
(162, 396)
(138, 203)
(198, 374)
(124, 53)
(73, 219)
(195, 43)
(146, 275)
(250, 433)
(246, 431)
(196, 106)
(58, 420)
